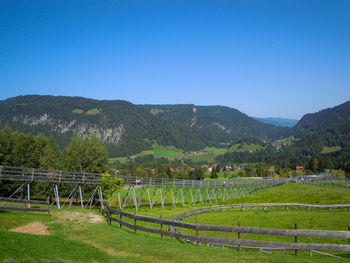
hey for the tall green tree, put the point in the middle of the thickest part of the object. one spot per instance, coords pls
(262, 169)
(213, 174)
(51, 156)
(87, 155)
(95, 155)
(28, 149)
(7, 144)
(73, 156)
(198, 173)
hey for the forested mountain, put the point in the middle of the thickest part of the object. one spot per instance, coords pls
(126, 128)
(336, 139)
(323, 119)
(214, 124)
(123, 127)
(279, 122)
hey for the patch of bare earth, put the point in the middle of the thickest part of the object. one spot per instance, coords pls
(80, 217)
(36, 228)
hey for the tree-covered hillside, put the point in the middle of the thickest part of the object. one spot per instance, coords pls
(123, 127)
(214, 124)
(126, 128)
(301, 152)
(323, 119)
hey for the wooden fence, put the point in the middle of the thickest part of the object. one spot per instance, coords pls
(24, 201)
(232, 229)
(247, 205)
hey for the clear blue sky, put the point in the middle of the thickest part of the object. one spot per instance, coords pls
(264, 58)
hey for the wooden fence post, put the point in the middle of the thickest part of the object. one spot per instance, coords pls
(296, 239)
(135, 221)
(121, 218)
(48, 204)
(239, 236)
(349, 230)
(161, 227)
(109, 216)
(197, 227)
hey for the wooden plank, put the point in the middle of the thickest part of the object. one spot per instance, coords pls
(14, 200)
(278, 232)
(13, 208)
(266, 244)
(154, 220)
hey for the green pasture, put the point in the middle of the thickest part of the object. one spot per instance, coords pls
(80, 241)
(245, 147)
(327, 149)
(171, 152)
(280, 218)
(73, 238)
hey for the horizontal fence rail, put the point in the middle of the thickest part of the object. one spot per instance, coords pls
(232, 229)
(246, 205)
(24, 201)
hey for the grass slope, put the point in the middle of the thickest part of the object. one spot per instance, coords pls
(171, 152)
(327, 149)
(245, 147)
(73, 239)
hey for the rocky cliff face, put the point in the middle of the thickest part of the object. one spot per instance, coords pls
(108, 133)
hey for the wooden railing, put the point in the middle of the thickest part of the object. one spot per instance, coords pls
(247, 205)
(231, 229)
(24, 201)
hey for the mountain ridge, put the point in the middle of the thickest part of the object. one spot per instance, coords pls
(126, 128)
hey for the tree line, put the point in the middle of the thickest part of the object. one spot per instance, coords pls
(38, 151)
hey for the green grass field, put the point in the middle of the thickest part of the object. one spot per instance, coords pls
(80, 241)
(327, 149)
(245, 147)
(73, 238)
(171, 152)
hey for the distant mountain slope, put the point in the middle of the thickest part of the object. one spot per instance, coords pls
(313, 143)
(122, 126)
(279, 122)
(328, 117)
(126, 128)
(214, 124)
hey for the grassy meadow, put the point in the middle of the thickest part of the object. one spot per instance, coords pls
(246, 147)
(75, 238)
(171, 152)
